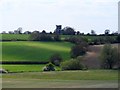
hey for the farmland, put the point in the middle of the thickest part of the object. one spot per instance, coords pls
(34, 51)
(62, 79)
(25, 68)
(14, 37)
(19, 49)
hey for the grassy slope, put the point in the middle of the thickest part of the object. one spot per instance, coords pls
(34, 51)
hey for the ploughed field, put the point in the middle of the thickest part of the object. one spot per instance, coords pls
(34, 51)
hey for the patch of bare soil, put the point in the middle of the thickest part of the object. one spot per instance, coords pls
(92, 58)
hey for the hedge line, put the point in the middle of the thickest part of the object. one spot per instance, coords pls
(22, 62)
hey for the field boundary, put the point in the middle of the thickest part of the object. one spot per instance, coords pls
(23, 62)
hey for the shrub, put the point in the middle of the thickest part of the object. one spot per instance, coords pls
(56, 59)
(49, 67)
(73, 64)
(78, 50)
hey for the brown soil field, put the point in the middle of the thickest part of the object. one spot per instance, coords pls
(92, 58)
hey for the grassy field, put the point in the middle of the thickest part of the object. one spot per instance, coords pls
(25, 68)
(67, 75)
(34, 51)
(62, 79)
(14, 37)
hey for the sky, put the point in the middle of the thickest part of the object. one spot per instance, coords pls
(82, 15)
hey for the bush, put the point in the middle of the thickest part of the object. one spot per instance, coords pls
(73, 64)
(78, 50)
(56, 59)
(49, 67)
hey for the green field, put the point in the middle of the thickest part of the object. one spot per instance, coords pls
(62, 79)
(34, 51)
(14, 37)
(68, 75)
(32, 76)
(25, 68)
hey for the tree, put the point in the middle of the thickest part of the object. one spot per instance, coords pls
(107, 32)
(93, 32)
(36, 32)
(43, 32)
(45, 37)
(78, 50)
(51, 33)
(78, 32)
(34, 36)
(19, 30)
(118, 38)
(57, 37)
(68, 31)
(108, 56)
(56, 59)
(27, 32)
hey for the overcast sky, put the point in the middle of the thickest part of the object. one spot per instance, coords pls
(82, 15)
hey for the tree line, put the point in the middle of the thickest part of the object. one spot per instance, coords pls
(65, 31)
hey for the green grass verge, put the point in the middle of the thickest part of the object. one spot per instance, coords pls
(67, 75)
(34, 51)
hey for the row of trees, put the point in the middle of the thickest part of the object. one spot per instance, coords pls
(44, 37)
(64, 31)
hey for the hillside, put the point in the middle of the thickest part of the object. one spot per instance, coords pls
(34, 51)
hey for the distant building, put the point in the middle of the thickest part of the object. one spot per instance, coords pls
(58, 29)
